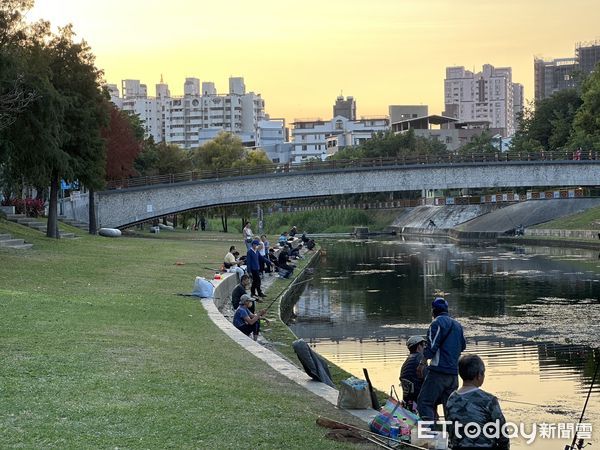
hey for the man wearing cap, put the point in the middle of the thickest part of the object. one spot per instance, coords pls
(244, 320)
(410, 380)
(253, 260)
(239, 290)
(445, 342)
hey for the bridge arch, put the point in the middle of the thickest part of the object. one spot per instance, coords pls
(123, 207)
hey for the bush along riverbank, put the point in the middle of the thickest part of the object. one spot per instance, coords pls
(329, 220)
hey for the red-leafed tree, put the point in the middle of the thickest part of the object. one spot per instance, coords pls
(123, 137)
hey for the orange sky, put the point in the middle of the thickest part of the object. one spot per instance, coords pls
(301, 55)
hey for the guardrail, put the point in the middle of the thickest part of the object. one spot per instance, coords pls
(348, 164)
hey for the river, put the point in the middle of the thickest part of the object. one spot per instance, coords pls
(532, 314)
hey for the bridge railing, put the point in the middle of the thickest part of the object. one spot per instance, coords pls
(310, 166)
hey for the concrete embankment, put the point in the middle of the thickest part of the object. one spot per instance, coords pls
(222, 296)
(529, 213)
(488, 223)
(490, 217)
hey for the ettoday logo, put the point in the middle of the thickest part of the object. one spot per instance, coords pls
(509, 430)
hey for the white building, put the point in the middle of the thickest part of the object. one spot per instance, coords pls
(488, 95)
(271, 132)
(197, 116)
(316, 138)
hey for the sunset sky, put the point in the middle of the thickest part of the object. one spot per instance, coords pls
(301, 55)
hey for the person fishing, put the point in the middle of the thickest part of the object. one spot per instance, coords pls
(472, 405)
(410, 381)
(246, 321)
(445, 343)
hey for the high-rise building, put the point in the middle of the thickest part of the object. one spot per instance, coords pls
(197, 116)
(345, 108)
(588, 56)
(486, 96)
(554, 75)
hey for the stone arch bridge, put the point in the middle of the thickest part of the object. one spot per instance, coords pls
(128, 206)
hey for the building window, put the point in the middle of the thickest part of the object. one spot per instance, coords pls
(304, 147)
(339, 125)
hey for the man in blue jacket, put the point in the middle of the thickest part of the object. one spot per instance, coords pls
(445, 342)
(253, 259)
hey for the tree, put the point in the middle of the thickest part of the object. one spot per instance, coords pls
(123, 144)
(550, 123)
(586, 124)
(392, 145)
(220, 153)
(482, 143)
(31, 145)
(253, 158)
(171, 159)
(146, 161)
(78, 81)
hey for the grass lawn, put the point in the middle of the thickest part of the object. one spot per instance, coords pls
(97, 352)
(586, 220)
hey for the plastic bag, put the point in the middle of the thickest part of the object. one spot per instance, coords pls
(203, 288)
(354, 394)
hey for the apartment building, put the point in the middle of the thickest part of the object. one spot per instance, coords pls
(483, 96)
(197, 116)
(317, 138)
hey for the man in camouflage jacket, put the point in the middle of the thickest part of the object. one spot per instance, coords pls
(471, 408)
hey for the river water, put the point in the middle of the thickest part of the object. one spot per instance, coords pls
(531, 313)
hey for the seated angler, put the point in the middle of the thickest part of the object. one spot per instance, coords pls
(472, 405)
(239, 290)
(246, 321)
(285, 268)
(283, 240)
(232, 263)
(410, 380)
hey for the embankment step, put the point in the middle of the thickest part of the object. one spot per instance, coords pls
(11, 242)
(21, 247)
(4, 237)
(14, 217)
(26, 220)
(37, 225)
(34, 223)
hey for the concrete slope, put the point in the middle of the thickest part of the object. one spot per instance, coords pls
(443, 216)
(528, 213)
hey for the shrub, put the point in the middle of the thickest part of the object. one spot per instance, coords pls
(31, 207)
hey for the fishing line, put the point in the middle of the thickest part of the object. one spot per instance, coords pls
(585, 407)
(291, 284)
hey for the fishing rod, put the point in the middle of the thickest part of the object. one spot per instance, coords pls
(579, 444)
(333, 424)
(291, 284)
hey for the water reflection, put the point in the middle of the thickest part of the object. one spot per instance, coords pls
(531, 313)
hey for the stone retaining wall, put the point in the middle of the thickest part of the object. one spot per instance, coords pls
(573, 234)
(223, 289)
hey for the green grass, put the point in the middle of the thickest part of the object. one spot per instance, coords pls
(586, 220)
(97, 352)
